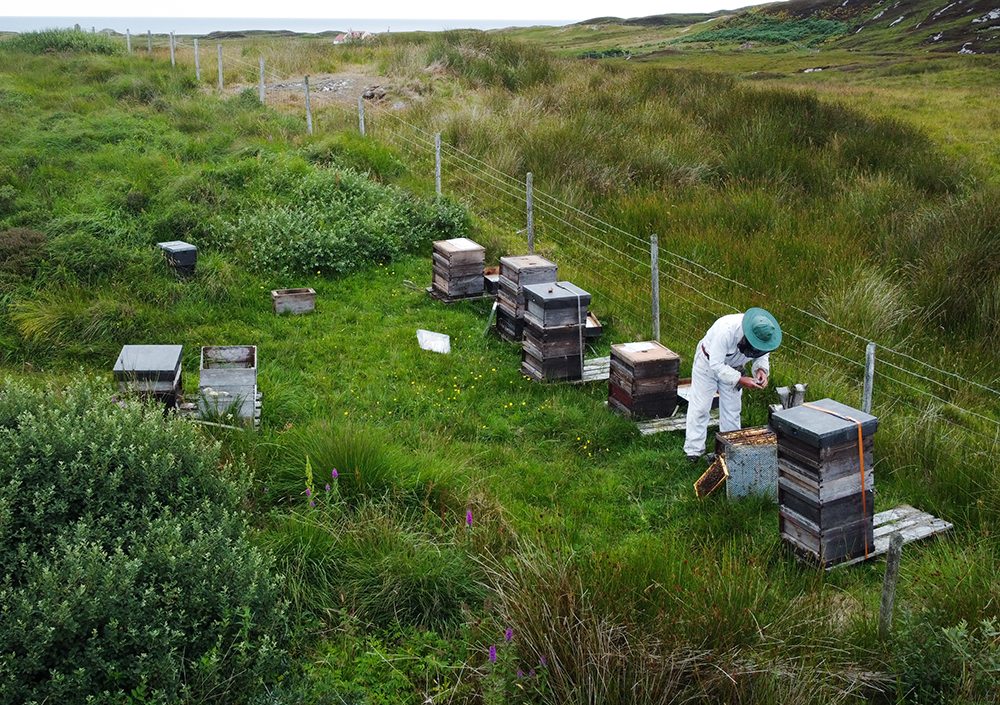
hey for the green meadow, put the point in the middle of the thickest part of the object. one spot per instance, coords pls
(409, 527)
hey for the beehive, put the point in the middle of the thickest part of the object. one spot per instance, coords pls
(826, 495)
(553, 336)
(153, 370)
(458, 269)
(642, 379)
(516, 273)
(181, 256)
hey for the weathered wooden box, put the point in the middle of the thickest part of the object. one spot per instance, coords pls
(458, 266)
(516, 273)
(552, 368)
(293, 300)
(227, 382)
(642, 379)
(153, 370)
(826, 485)
(181, 256)
(556, 304)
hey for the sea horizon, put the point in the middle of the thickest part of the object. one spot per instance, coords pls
(207, 25)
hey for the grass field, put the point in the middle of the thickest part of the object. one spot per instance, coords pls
(443, 527)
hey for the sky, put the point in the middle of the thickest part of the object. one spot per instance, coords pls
(563, 10)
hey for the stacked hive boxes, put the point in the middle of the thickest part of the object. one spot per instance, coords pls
(642, 381)
(458, 269)
(153, 370)
(825, 493)
(227, 382)
(553, 336)
(515, 274)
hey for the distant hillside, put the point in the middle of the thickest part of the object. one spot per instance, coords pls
(963, 26)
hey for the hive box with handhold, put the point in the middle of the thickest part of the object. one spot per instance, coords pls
(752, 461)
(516, 273)
(293, 300)
(556, 304)
(825, 482)
(458, 268)
(150, 369)
(227, 381)
(642, 379)
(182, 256)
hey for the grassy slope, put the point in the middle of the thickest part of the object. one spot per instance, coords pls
(547, 462)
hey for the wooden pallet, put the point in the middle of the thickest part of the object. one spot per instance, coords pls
(677, 422)
(912, 523)
(595, 370)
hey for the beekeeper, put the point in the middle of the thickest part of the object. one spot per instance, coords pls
(720, 365)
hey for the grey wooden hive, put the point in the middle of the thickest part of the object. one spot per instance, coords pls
(826, 495)
(150, 369)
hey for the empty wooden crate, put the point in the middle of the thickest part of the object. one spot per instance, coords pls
(293, 300)
(227, 382)
(826, 486)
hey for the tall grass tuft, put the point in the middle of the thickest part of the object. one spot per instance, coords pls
(63, 40)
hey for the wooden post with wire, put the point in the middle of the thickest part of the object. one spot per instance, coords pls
(654, 256)
(361, 115)
(149, 40)
(173, 58)
(866, 398)
(262, 80)
(309, 113)
(889, 584)
(437, 162)
(220, 67)
(529, 188)
(128, 42)
(197, 68)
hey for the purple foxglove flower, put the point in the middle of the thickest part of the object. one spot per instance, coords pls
(493, 653)
(542, 660)
(328, 487)
(468, 517)
(335, 473)
(509, 635)
(308, 492)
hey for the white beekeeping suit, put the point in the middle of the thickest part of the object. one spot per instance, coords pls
(719, 365)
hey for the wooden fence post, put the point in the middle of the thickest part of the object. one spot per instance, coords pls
(128, 42)
(149, 40)
(173, 60)
(197, 68)
(361, 115)
(654, 256)
(866, 397)
(437, 163)
(220, 67)
(262, 80)
(309, 114)
(530, 192)
(889, 583)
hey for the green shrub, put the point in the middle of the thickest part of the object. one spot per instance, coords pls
(127, 568)
(21, 251)
(63, 40)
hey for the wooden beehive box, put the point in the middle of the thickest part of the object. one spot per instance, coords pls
(227, 382)
(556, 304)
(153, 370)
(516, 273)
(642, 379)
(458, 269)
(826, 495)
(752, 458)
(181, 256)
(293, 300)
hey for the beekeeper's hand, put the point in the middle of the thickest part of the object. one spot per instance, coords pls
(749, 383)
(762, 379)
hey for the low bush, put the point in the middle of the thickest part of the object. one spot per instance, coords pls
(127, 567)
